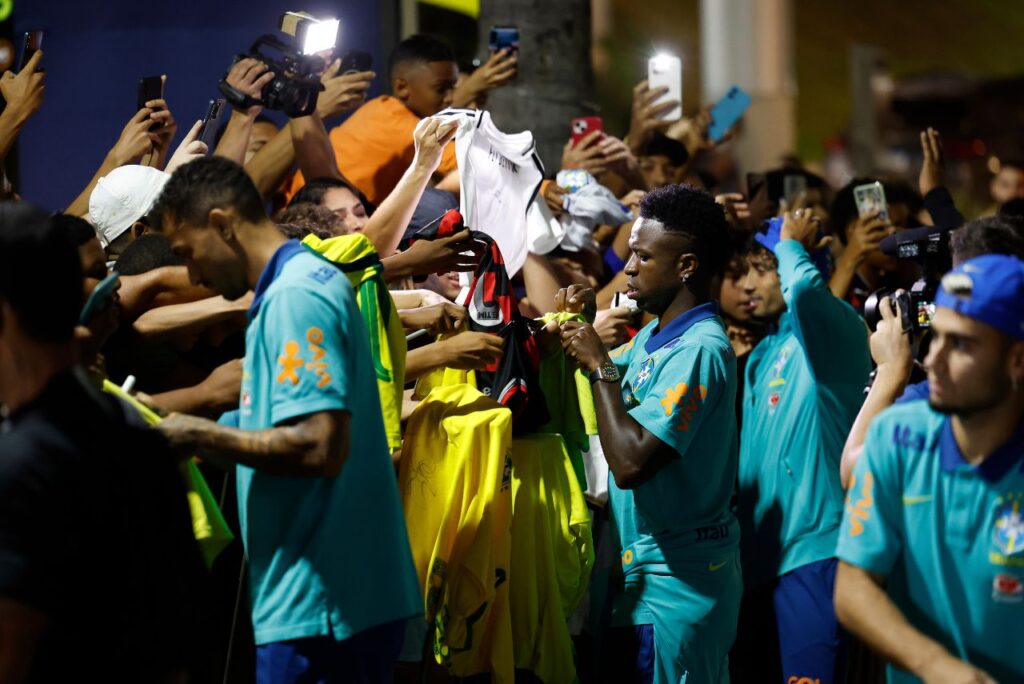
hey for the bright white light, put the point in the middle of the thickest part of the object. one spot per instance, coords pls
(320, 36)
(664, 61)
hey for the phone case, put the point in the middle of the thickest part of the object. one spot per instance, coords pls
(870, 199)
(584, 126)
(726, 112)
(667, 71)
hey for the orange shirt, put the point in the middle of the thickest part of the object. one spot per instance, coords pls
(375, 146)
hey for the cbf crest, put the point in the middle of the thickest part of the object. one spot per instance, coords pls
(644, 374)
(1008, 532)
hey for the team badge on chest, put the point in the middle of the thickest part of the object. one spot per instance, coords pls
(644, 374)
(1008, 533)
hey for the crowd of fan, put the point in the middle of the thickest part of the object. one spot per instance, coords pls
(666, 467)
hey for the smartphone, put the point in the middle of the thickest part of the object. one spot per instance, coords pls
(150, 88)
(583, 126)
(793, 185)
(30, 43)
(727, 112)
(870, 199)
(355, 61)
(504, 37)
(667, 71)
(208, 131)
(99, 298)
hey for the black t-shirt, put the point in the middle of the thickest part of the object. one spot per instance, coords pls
(95, 533)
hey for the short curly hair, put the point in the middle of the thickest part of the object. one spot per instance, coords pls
(987, 235)
(694, 213)
(205, 184)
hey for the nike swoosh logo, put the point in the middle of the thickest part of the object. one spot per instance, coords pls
(715, 567)
(911, 500)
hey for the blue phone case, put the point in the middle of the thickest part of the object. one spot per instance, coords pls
(727, 112)
(99, 297)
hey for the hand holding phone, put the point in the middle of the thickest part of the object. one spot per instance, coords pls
(150, 88)
(583, 126)
(211, 122)
(870, 200)
(354, 62)
(504, 38)
(31, 43)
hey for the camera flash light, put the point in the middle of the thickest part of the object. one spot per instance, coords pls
(320, 36)
(663, 61)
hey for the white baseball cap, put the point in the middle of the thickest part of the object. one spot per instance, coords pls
(122, 197)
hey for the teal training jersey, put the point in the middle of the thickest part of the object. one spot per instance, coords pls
(804, 386)
(677, 535)
(950, 536)
(327, 555)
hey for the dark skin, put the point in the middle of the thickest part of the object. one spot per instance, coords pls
(425, 88)
(664, 281)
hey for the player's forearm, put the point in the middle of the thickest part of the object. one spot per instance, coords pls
(863, 607)
(159, 287)
(626, 444)
(389, 221)
(310, 448)
(887, 388)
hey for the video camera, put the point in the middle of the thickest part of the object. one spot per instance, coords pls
(929, 247)
(296, 84)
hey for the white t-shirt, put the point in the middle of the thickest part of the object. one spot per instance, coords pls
(500, 175)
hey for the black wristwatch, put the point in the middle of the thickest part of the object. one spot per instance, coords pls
(607, 372)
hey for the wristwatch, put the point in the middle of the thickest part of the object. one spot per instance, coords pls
(606, 372)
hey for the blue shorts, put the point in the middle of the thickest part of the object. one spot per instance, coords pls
(812, 643)
(368, 657)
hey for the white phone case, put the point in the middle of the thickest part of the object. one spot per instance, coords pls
(667, 71)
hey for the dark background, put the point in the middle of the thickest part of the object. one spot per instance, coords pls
(95, 53)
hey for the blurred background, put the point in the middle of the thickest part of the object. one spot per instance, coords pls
(843, 87)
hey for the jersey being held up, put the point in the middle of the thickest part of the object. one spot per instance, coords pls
(949, 536)
(500, 174)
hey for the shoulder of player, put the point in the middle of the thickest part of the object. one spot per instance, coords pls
(910, 429)
(707, 338)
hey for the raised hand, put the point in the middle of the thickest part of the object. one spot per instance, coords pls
(497, 71)
(458, 252)
(23, 92)
(248, 76)
(430, 137)
(136, 139)
(932, 174)
(342, 93)
(190, 148)
(646, 115)
(472, 350)
(587, 154)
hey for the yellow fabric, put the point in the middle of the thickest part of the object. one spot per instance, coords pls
(444, 377)
(583, 401)
(357, 257)
(470, 8)
(455, 482)
(552, 555)
(208, 525)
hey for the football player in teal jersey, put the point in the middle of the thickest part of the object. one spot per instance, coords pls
(932, 542)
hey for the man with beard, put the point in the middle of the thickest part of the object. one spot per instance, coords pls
(931, 550)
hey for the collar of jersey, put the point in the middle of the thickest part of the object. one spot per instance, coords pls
(994, 467)
(679, 325)
(270, 272)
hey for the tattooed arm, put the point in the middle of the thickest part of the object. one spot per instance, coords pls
(315, 445)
